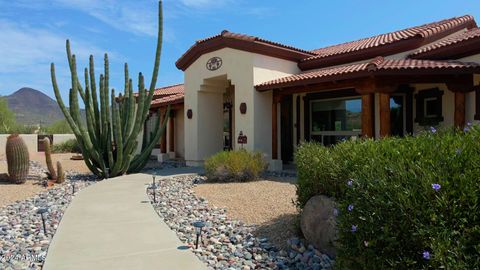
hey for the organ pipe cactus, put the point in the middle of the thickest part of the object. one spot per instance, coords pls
(109, 136)
(60, 173)
(18, 159)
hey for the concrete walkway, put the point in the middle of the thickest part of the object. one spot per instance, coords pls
(112, 225)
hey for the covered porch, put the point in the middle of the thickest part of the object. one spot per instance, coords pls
(375, 99)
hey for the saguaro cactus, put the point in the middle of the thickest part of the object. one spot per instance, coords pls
(18, 159)
(109, 138)
(48, 159)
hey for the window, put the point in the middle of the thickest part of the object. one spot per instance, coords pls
(334, 120)
(429, 107)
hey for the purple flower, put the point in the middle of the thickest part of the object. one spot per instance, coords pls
(349, 182)
(335, 212)
(436, 186)
(350, 207)
(466, 129)
(426, 255)
(469, 124)
(433, 130)
(354, 228)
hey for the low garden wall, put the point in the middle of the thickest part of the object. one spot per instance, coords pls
(31, 140)
(399, 203)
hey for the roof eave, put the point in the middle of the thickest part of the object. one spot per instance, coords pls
(221, 42)
(453, 51)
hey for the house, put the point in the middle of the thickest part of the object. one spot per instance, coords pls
(242, 91)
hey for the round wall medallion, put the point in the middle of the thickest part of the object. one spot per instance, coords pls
(214, 63)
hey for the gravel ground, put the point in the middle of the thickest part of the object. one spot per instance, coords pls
(269, 205)
(227, 243)
(23, 244)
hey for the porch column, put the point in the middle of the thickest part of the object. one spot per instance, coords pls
(171, 132)
(459, 116)
(163, 140)
(384, 114)
(367, 115)
(274, 127)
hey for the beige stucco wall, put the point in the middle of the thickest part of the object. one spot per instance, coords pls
(204, 96)
(180, 133)
(61, 138)
(29, 139)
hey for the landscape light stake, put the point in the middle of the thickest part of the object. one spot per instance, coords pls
(41, 212)
(153, 180)
(73, 188)
(198, 230)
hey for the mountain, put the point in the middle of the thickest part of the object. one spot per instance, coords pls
(33, 107)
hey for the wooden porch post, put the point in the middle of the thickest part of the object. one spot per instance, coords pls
(367, 115)
(275, 99)
(171, 132)
(163, 140)
(459, 109)
(384, 114)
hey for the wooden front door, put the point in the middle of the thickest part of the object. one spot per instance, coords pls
(286, 125)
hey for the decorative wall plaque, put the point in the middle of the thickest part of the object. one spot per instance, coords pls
(189, 113)
(243, 108)
(214, 63)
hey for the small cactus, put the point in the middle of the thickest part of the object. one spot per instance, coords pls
(60, 173)
(48, 159)
(18, 159)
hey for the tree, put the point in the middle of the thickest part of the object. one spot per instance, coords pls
(7, 117)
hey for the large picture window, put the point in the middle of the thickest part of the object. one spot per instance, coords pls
(333, 120)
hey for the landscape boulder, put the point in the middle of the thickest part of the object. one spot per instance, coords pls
(318, 224)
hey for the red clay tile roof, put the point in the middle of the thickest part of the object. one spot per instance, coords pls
(420, 34)
(168, 100)
(448, 42)
(378, 66)
(169, 90)
(241, 42)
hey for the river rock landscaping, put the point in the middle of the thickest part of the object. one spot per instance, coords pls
(23, 243)
(226, 243)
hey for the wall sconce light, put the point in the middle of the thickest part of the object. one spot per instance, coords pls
(189, 113)
(41, 212)
(198, 230)
(243, 108)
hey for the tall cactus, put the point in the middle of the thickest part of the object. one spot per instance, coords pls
(48, 158)
(18, 159)
(108, 138)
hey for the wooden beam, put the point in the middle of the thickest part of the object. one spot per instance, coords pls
(171, 132)
(384, 114)
(275, 127)
(367, 115)
(163, 139)
(459, 117)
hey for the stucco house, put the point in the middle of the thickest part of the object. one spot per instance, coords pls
(241, 91)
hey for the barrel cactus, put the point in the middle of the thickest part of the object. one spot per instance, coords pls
(18, 159)
(109, 136)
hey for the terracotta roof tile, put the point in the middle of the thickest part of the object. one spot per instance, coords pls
(168, 100)
(376, 65)
(169, 90)
(467, 35)
(424, 31)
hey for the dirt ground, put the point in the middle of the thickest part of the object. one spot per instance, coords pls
(9, 193)
(266, 203)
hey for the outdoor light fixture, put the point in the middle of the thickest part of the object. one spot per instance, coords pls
(73, 188)
(198, 230)
(41, 212)
(243, 108)
(189, 113)
(153, 180)
(154, 188)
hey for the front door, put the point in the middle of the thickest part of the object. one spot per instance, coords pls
(397, 115)
(286, 125)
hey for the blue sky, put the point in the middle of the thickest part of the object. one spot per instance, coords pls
(33, 32)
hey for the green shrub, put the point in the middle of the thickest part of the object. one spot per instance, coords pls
(233, 166)
(413, 202)
(69, 146)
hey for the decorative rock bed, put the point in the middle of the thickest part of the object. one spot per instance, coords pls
(23, 244)
(226, 243)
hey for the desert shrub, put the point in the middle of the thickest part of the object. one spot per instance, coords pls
(234, 166)
(69, 146)
(59, 127)
(404, 203)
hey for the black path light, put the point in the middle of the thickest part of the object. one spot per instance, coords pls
(153, 180)
(153, 188)
(41, 212)
(73, 188)
(198, 230)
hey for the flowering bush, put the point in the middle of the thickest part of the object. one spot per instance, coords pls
(404, 203)
(234, 166)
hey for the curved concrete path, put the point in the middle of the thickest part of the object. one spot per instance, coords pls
(112, 225)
